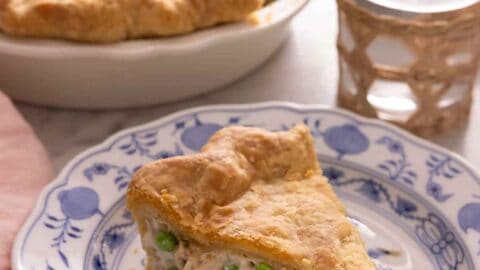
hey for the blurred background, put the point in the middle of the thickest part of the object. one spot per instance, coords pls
(304, 70)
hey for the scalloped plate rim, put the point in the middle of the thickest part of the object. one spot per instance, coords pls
(107, 143)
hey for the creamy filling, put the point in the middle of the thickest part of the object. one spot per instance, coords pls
(189, 256)
(217, 260)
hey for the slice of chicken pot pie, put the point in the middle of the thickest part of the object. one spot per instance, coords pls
(252, 199)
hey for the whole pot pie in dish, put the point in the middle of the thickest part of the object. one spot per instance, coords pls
(116, 20)
(138, 72)
(251, 199)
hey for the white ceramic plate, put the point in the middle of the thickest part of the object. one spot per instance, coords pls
(416, 205)
(140, 72)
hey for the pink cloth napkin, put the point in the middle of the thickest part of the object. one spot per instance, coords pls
(24, 170)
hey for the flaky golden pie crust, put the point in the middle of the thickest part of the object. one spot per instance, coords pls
(115, 20)
(256, 192)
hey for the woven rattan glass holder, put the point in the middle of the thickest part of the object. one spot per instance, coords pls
(415, 70)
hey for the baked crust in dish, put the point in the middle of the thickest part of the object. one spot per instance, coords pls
(115, 20)
(251, 192)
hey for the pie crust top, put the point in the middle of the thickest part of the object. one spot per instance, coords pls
(115, 20)
(256, 192)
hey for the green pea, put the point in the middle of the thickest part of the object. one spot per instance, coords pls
(263, 266)
(166, 241)
(230, 267)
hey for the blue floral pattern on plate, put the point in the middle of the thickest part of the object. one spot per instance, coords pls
(431, 230)
(410, 195)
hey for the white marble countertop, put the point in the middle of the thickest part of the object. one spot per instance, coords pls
(304, 71)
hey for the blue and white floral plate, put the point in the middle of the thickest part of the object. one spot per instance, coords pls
(416, 205)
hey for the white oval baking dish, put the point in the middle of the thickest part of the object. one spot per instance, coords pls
(140, 72)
